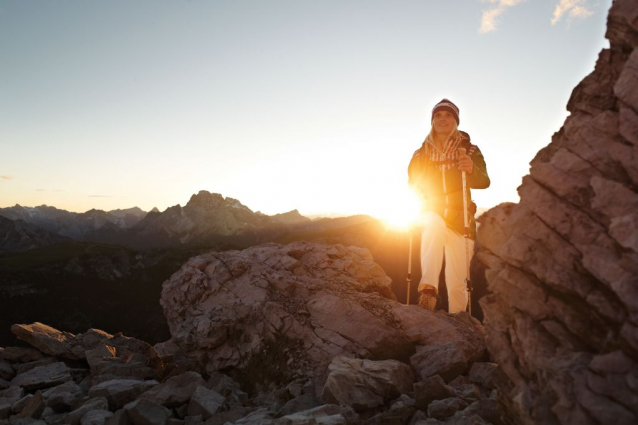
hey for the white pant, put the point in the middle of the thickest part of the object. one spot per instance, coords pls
(436, 239)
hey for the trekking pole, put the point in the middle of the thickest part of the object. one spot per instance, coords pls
(466, 224)
(409, 278)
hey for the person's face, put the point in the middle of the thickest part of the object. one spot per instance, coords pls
(443, 122)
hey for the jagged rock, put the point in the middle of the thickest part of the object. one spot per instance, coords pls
(328, 414)
(442, 409)
(43, 377)
(25, 367)
(445, 359)
(3, 384)
(57, 343)
(561, 264)
(448, 344)
(486, 409)
(144, 412)
(468, 392)
(20, 354)
(52, 418)
(97, 403)
(63, 397)
(299, 304)
(175, 391)
(298, 404)
(257, 417)
(365, 384)
(19, 405)
(120, 417)
(6, 371)
(7, 399)
(484, 374)
(118, 392)
(227, 387)
(430, 389)
(33, 407)
(401, 410)
(96, 417)
(205, 402)
(230, 416)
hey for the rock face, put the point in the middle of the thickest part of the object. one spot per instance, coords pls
(295, 307)
(562, 265)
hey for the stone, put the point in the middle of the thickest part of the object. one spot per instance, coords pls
(118, 392)
(97, 403)
(14, 420)
(33, 407)
(328, 414)
(294, 307)
(486, 409)
(257, 417)
(483, 374)
(205, 402)
(443, 409)
(63, 397)
(400, 412)
(96, 417)
(57, 343)
(25, 367)
(430, 389)
(365, 384)
(176, 390)
(228, 388)
(144, 412)
(6, 371)
(448, 360)
(20, 354)
(120, 417)
(230, 416)
(298, 404)
(43, 377)
(19, 405)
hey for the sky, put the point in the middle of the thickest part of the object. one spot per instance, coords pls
(309, 105)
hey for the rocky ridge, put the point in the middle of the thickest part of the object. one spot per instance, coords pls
(17, 236)
(562, 319)
(276, 334)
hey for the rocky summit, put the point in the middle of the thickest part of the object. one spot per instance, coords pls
(562, 265)
(302, 333)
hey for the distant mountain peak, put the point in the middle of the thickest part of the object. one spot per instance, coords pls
(205, 200)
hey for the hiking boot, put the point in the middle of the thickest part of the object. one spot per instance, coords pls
(427, 299)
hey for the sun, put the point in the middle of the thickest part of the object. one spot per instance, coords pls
(402, 211)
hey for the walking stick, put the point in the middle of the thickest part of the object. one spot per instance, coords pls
(466, 223)
(409, 278)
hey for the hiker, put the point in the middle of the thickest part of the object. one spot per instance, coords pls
(435, 172)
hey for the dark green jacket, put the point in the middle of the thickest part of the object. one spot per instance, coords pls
(441, 185)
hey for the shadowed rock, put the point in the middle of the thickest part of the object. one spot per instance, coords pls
(295, 307)
(562, 264)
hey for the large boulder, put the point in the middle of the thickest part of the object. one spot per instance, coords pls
(562, 265)
(293, 307)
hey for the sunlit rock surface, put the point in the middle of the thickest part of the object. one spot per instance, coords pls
(562, 320)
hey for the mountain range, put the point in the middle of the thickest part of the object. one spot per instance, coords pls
(206, 218)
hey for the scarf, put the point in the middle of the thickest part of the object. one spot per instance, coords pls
(447, 158)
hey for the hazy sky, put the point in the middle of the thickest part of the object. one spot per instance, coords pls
(314, 105)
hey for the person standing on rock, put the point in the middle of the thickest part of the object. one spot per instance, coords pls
(435, 172)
